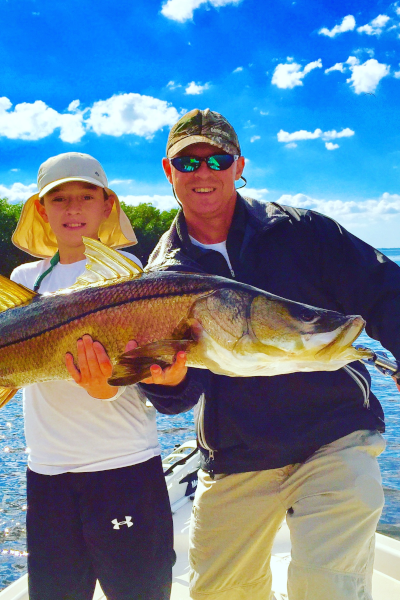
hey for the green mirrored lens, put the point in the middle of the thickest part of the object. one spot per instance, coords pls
(220, 162)
(188, 163)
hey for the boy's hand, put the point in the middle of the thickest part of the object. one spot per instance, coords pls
(172, 375)
(94, 368)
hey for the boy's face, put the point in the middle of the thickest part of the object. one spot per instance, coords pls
(73, 210)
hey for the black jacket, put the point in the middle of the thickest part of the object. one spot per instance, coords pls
(255, 423)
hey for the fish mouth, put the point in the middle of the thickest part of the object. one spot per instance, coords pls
(347, 334)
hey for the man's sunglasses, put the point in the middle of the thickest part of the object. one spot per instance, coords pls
(217, 162)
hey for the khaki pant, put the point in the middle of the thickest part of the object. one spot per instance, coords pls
(332, 504)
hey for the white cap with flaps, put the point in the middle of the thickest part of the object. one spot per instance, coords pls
(71, 166)
(35, 236)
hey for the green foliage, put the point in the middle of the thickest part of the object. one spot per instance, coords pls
(10, 256)
(148, 222)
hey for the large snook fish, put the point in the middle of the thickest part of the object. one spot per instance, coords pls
(225, 326)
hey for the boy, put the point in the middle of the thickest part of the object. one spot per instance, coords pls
(98, 506)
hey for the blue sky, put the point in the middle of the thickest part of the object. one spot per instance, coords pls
(311, 87)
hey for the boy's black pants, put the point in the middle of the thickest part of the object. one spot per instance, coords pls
(114, 526)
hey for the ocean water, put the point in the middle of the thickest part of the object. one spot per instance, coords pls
(172, 430)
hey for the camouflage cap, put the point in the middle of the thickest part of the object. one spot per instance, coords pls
(202, 126)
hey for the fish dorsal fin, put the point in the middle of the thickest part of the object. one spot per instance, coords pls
(105, 266)
(13, 294)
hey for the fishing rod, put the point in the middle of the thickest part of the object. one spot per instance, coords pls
(381, 361)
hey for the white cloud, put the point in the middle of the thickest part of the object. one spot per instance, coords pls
(182, 10)
(37, 120)
(237, 70)
(330, 146)
(351, 211)
(173, 86)
(376, 26)
(352, 60)
(120, 114)
(289, 138)
(336, 67)
(160, 202)
(120, 181)
(347, 24)
(333, 135)
(18, 192)
(257, 194)
(285, 136)
(196, 88)
(290, 75)
(131, 114)
(397, 73)
(366, 77)
(254, 138)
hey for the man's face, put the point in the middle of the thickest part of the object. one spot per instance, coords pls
(73, 210)
(204, 193)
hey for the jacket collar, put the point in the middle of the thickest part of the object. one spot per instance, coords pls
(251, 216)
(259, 215)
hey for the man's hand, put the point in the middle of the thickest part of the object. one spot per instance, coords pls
(397, 383)
(172, 375)
(94, 368)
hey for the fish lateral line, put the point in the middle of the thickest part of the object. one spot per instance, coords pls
(95, 310)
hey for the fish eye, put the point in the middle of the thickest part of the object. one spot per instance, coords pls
(308, 316)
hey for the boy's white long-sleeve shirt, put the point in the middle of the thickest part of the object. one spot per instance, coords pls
(68, 430)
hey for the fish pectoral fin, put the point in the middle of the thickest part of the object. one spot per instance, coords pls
(133, 366)
(104, 267)
(13, 294)
(6, 394)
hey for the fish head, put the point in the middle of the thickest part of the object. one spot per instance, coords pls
(244, 332)
(284, 328)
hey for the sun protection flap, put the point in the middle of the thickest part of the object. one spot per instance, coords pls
(13, 294)
(35, 236)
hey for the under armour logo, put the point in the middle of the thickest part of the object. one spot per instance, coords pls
(128, 522)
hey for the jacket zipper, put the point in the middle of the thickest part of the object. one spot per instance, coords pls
(200, 430)
(360, 381)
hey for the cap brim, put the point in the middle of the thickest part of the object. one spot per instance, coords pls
(198, 139)
(47, 188)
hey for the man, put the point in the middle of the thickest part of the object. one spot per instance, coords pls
(98, 506)
(302, 445)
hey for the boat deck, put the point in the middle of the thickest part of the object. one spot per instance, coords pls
(180, 467)
(386, 579)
